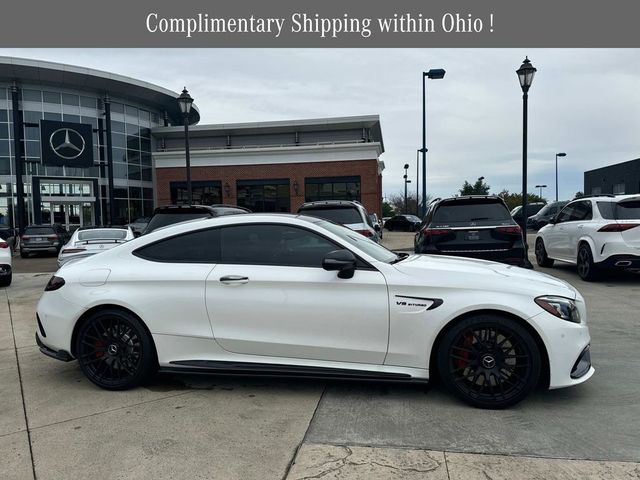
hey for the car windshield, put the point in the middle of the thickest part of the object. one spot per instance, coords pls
(344, 215)
(625, 210)
(361, 242)
(102, 234)
(464, 212)
(39, 231)
(164, 219)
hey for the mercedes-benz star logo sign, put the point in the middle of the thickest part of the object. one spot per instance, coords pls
(67, 143)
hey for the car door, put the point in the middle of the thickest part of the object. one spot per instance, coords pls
(270, 296)
(575, 227)
(554, 237)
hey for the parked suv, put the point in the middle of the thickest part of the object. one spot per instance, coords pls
(348, 213)
(43, 239)
(549, 211)
(595, 233)
(170, 214)
(471, 226)
(532, 209)
(404, 223)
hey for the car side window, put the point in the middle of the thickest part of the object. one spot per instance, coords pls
(282, 245)
(202, 246)
(565, 214)
(581, 211)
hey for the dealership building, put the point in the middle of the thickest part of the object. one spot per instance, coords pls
(86, 147)
(617, 179)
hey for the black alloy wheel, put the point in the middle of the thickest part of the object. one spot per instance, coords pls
(541, 254)
(114, 350)
(587, 271)
(489, 361)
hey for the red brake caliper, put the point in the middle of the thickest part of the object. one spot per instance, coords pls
(99, 345)
(466, 344)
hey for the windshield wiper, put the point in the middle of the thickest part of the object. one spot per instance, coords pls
(400, 256)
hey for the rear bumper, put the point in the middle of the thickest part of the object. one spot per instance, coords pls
(514, 256)
(49, 352)
(39, 248)
(621, 262)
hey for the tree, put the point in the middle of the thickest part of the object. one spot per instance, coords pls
(387, 209)
(396, 201)
(578, 195)
(514, 199)
(478, 188)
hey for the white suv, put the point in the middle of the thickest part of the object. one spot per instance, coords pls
(594, 233)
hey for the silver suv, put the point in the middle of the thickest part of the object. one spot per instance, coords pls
(348, 213)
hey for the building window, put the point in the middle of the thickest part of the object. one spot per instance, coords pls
(202, 192)
(331, 188)
(596, 190)
(264, 195)
(618, 188)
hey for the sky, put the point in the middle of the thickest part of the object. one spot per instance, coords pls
(585, 102)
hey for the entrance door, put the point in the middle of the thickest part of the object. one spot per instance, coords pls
(70, 215)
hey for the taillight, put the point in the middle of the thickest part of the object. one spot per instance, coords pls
(512, 230)
(73, 250)
(54, 284)
(4, 245)
(366, 233)
(435, 232)
(25, 237)
(52, 237)
(618, 227)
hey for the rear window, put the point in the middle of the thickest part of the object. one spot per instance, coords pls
(338, 215)
(39, 231)
(463, 212)
(104, 234)
(629, 210)
(163, 219)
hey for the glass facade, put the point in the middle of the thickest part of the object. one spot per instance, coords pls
(132, 147)
(202, 192)
(264, 195)
(331, 188)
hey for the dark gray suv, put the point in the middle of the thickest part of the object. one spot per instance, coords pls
(43, 239)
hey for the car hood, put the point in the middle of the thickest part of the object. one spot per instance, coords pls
(483, 275)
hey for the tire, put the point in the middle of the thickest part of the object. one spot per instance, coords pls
(114, 350)
(494, 349)
(390, 228)
(6, 281)
(541, 255)
(587, 270)
(24, 254)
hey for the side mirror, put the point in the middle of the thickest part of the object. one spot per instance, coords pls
(342, 261)
(553, 220)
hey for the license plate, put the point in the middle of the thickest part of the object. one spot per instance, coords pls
(38, 239)
(472, 236)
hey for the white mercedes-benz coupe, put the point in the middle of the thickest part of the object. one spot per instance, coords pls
(292, 295)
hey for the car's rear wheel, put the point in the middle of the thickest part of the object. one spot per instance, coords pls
(542, 258)
(114, 350)
(489, 361)
(6, 280)
(587, 270)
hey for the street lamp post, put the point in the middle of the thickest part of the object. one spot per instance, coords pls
(417, 182)
(406, 182)
(525, 73)
(562, 154)
(433, 74)
(185, 101)
(541, 187)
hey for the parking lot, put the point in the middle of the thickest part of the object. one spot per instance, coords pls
(55, 424)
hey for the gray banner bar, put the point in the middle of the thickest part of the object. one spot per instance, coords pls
(320, 23)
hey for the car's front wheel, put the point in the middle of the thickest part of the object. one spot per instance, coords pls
(542, 258)
(489, 361)
(114, 350)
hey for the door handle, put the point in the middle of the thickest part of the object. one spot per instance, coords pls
(234, 280)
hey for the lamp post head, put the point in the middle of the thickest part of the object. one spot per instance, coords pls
(562, 154)
(185, 101)
(435, 73)
(525, 74)
(406, 166)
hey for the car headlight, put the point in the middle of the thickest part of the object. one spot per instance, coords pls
(561, 307)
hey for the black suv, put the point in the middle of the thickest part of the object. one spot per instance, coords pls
(163, 216)
(549, 211)
(471, 226)
(43, 239)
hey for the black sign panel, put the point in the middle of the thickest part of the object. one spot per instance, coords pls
(66, 143)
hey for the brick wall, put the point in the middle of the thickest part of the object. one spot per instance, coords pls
(370, 186)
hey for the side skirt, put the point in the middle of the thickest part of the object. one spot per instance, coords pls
(275, 370)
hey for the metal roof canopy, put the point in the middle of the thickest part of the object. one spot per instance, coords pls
(24, 70)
